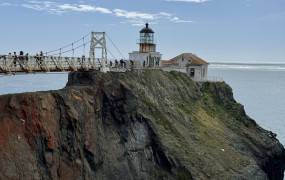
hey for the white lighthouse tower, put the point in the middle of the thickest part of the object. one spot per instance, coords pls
(147, 55)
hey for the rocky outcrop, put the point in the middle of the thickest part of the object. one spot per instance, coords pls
(136, 125)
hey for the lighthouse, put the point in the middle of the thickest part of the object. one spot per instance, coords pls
(147, 55)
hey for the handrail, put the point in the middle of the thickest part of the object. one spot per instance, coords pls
(13, 64)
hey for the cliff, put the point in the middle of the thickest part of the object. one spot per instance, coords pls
(134, 125)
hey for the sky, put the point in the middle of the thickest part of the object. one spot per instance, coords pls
(216, 30)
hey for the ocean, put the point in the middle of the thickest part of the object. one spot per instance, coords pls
(259, 87)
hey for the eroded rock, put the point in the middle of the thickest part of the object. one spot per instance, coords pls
(134, 125)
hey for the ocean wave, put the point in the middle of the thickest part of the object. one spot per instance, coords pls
(241, 66)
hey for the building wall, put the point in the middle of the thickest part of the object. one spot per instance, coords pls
(182, 62)
(200, 72)
(145, 48)
(182, 65)
(151, 59)
(174, 68)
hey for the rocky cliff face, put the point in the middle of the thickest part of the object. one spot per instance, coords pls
(135, 125)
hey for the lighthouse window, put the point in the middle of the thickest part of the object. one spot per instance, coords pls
(146, 38)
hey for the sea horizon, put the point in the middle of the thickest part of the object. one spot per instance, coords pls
(268, 66)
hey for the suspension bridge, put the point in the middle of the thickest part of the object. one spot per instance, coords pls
(64, 58)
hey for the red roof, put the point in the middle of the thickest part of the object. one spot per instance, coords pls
(192, 58)
(168, 63)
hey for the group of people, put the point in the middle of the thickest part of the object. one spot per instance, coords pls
(22, 58)
(39, 57)
(121, 63)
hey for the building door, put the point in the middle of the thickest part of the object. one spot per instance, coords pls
(192, 72)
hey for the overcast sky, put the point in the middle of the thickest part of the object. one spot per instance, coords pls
(217, 30)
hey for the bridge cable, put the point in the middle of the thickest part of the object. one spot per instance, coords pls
(71, 50)
(111, 54)
(84, 45)
(68, 45)
(116, 47)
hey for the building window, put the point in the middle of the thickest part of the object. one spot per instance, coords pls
(192, 72)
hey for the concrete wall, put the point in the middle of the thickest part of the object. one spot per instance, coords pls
(168, 69)
(150, 59)
(200, 72)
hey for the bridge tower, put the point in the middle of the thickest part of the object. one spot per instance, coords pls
(98, 49)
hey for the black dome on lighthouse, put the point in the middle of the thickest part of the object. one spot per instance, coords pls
(146, 29)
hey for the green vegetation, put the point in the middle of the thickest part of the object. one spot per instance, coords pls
(199, 123)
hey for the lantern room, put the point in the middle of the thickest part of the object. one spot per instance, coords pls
(146, 41)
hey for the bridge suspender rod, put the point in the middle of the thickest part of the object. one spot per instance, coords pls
(66, 46)
(72, 50)
(84, 46)
(116, 47)
(111, 54)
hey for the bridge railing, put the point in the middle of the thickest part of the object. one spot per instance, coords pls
(10, 64)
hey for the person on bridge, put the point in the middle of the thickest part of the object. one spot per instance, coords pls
(41, 57)
(83, 59)
(116, 63)
(21, 57)
(15, 57)
(125, 63)
(37, 57)
(111, 64)
(122, 63)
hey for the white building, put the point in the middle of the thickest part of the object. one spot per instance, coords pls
(189, 63)
(147, 55)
